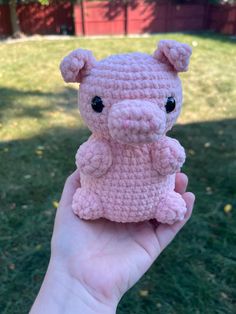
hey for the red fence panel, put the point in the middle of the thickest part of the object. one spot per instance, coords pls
(187, 17)
(140, 16)
(154, 17)
(5, 24)
(78, 20)
(147, 17)
(222, 19)
(52, 19)
(100, 18)
(106, 18)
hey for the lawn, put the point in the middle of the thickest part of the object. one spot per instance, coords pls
(40, 131)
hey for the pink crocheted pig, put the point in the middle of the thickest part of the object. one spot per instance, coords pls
(129, 102)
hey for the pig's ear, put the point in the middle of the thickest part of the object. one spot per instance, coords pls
(76, 65)
(175, 53)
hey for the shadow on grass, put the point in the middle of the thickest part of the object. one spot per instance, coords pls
(199, 263)
(9, 100)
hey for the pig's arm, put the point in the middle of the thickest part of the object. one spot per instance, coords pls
(94, 157)
(168, 156)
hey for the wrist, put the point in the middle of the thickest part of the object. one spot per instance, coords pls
(63, 293)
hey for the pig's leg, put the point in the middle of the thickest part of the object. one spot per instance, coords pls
(170, 208)
(86, 204)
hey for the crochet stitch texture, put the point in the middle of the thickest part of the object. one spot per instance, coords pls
(129, 102)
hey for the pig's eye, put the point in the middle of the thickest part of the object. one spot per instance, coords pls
(170, 104)
(97, 104)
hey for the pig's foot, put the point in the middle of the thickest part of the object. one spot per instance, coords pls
(171, 208)
(87, 204)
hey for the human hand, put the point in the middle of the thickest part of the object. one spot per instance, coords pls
(96, 262)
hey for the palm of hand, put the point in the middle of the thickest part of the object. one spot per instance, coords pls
(108, 257)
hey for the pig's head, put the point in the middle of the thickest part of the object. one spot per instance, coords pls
(133, 98)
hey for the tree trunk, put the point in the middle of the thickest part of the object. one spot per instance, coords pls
(15, 25)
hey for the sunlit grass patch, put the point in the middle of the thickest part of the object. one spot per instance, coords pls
(40, 131)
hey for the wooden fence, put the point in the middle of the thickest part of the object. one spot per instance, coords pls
(99, 18)
(37, 19)
(222, 19)
(115, 18)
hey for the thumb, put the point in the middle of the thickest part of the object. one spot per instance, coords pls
(166, 233)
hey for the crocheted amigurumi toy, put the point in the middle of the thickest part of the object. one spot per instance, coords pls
(129, 102)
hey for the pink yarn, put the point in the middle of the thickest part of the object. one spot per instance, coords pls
(128, 164)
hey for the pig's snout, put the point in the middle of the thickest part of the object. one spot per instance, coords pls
(136, 121)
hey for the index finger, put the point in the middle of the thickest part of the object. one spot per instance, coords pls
(181, 182)
(71, 185)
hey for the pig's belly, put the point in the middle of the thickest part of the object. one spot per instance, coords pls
(129, 193)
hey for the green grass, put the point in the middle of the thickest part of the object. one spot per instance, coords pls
(40, 131)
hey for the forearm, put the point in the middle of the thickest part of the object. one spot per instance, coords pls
(62, 294)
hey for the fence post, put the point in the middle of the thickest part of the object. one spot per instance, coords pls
(206, 21)
(234, 20)
(126, 18)
(168, 16)
(82, 17)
